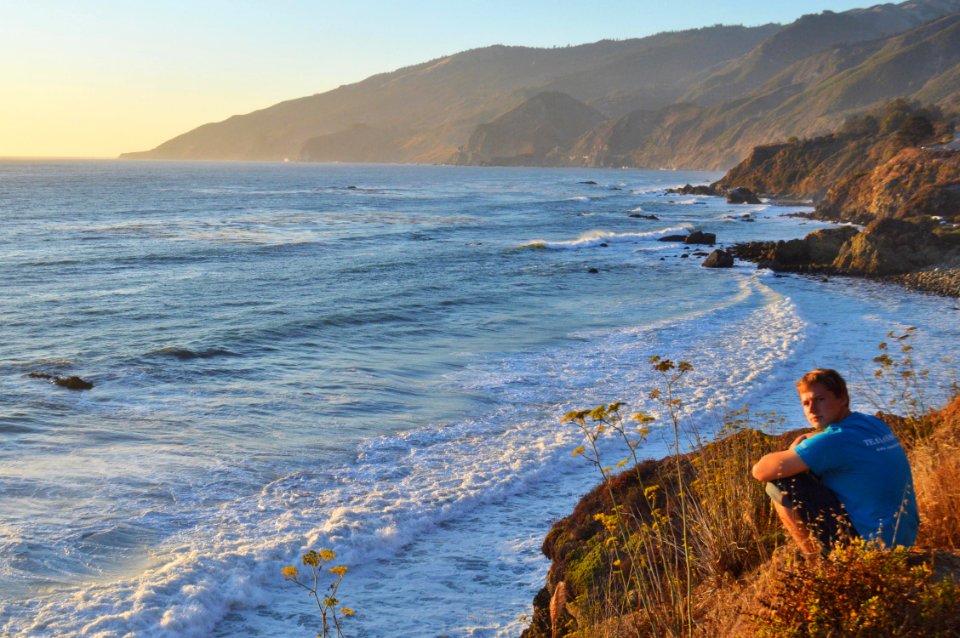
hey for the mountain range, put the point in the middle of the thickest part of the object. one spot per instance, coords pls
(700, 98)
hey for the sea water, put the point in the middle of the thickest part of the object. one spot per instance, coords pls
(372, 359)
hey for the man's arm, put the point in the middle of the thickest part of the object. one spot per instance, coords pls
(779, 465)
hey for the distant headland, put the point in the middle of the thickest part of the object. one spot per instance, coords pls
(700, 98)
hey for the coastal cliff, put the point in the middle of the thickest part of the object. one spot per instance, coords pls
(894, 170)
(744, 569)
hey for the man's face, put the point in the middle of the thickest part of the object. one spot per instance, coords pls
(821, 406)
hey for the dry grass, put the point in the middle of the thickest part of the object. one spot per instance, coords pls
(936, 474)
(747, 581)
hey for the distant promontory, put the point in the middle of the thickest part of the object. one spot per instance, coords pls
(700, 98)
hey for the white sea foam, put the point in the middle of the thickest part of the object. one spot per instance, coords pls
(402, 487)
(598, 237)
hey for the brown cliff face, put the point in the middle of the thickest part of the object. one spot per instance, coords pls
(915, 182)
(808, 168)
(800, 169)
(888, 247)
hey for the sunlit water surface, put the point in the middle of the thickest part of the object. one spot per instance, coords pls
(368, 358)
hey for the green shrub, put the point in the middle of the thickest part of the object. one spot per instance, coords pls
(859, 590)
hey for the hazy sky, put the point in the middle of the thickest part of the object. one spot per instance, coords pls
(94, 78)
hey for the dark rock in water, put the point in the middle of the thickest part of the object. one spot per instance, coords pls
(698, 237)
(718, 259)
(742, 195)
(351, 188)
(819, 248)
(673, 238)
(643, 216)
(663, 259)
(604, 245)
(684, 256)
(699, 253)
(593, 271)
(589, 182)
(73, 383)
(687, 189)
(615, 188)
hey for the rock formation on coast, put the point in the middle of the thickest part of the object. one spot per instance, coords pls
(894, 170)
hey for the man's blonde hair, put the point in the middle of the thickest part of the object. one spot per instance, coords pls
(830, 379)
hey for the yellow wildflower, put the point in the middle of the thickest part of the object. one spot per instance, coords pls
(327, 555)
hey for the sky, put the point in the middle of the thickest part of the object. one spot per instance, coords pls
(95, 78)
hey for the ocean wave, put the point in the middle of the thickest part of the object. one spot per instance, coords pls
(404, 486)
(647, 191)
(185, 354)
(598, 237)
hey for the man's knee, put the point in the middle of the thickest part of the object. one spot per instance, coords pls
(809, 501)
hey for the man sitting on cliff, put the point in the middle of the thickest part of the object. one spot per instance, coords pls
(850, 478)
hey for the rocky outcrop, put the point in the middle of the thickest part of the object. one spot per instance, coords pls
(807, 168)
(885, 248)
(888, 247)
(817, 250)
(583, 571)
(575, 545)
(915, 182)
(70, 383)
(687, 189)
(718, 259)
(742, 195)
(700, 237)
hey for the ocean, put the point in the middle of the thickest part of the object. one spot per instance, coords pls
(373, 359)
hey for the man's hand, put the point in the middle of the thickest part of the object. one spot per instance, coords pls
(802, 437)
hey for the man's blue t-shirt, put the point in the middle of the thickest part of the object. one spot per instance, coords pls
(862, 461)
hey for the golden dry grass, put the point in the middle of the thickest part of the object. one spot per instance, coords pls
(742, 560)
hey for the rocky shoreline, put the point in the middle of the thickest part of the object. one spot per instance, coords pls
(939, 281)
(886, 250)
